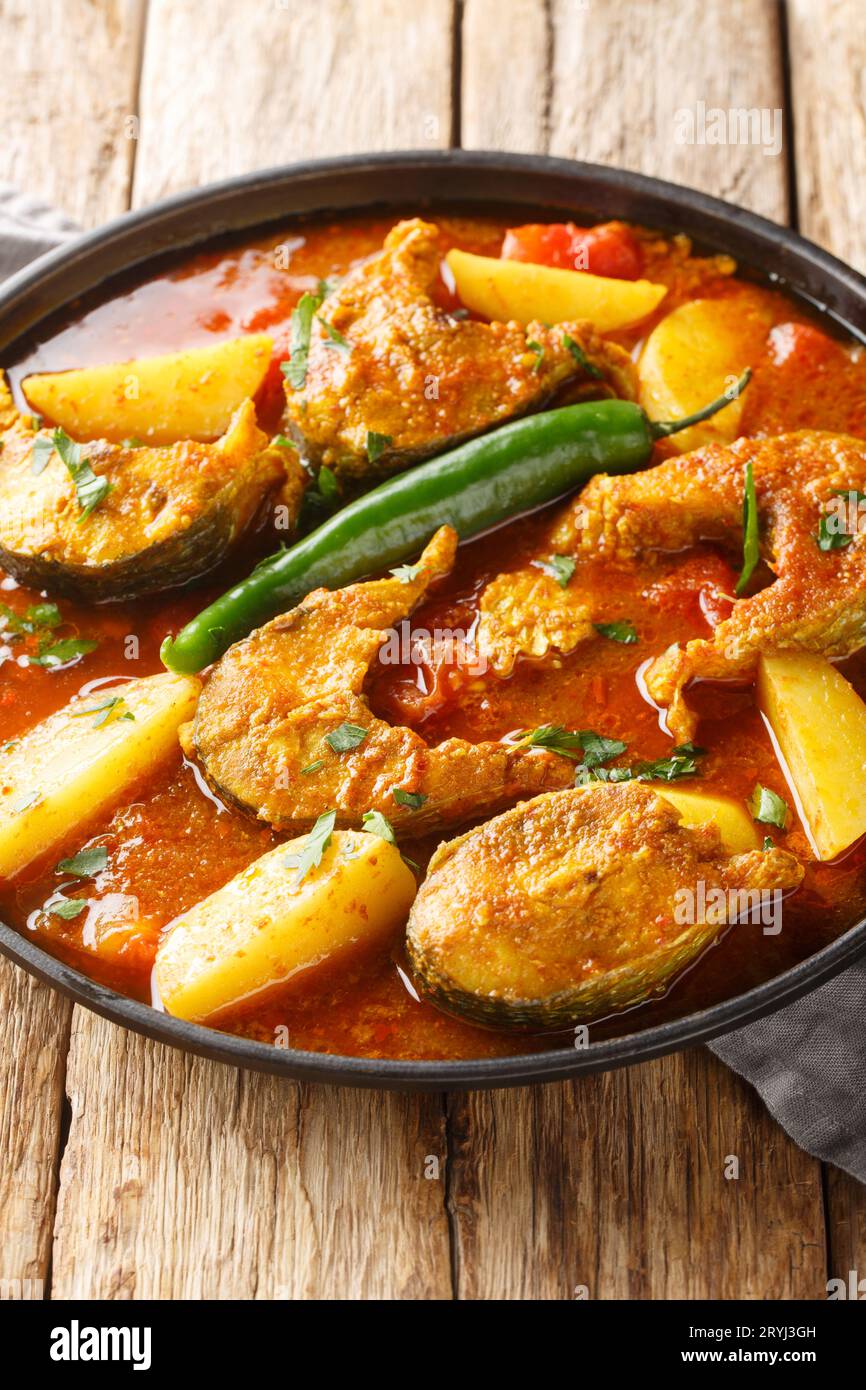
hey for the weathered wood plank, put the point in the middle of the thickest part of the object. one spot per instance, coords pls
(185, 1180)
(286, 81)
(827, 46)
(828, 58)
(180, 1178)
(70, 74)
(66, 142)
(617, 1184)
(621, 84)
(618, 1187)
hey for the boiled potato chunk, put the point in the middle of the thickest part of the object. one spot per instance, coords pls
(736, 826)
(159, 400)
(264, 927)
(819, 724)
(695, 353)
(518, 290)
(77, 763)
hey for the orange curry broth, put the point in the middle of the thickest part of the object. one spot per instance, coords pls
(174, 844)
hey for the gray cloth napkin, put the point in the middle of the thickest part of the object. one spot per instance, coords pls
(807, 1061)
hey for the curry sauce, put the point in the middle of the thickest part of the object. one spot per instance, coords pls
(176, 842)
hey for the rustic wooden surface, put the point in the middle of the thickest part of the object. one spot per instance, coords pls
(161, 1175)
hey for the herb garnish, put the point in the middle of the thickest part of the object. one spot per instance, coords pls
(326, 481)
(346, 737)
(67, 908)
(767, 807)
(314, 847)
(751, 551)
(89, 489)
(414, 800)
(580, 357)
(87, 863)
(406, 573)
(376, 824)
(559, 567)
(43, 448)
(377, 444)
(295, 370)
(63, 653)
(622, 631)
(104, 711)
(334, 339)
(312, 767)
(571, 743)
(35, 618)
(539, 353)
(681, 763)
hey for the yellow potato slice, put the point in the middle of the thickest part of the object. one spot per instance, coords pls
(736, 826)
(695, 353)
(818, 722)
(264, 927)
(159, 400)
(518, 290)
(65, 769)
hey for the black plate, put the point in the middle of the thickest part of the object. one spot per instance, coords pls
(397, 181)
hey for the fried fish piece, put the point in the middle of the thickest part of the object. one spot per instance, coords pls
(172, 513)
(817, 602)
(384, 360)
(577, 904)
(284, 731)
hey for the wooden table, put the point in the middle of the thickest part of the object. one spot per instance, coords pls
(128, 1170)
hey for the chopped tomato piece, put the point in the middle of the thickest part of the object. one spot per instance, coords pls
(799, 345)
(609, 249)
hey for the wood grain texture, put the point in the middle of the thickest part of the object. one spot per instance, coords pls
(616, 1187)
(605, 83)
(64, 141)
(827, 47)
(288, 81)
(827, 43)
(184, 1179)
(70, 74)
(181, 1178)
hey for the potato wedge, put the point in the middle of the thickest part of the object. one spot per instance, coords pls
(692, 356)
(76, 764)
(818, 722)
(264, 927)
(518, 290)
(184, 395)
(736, 826)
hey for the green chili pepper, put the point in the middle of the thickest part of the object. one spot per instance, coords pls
(472, 488)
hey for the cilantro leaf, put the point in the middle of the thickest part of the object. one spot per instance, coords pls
(87, 863)
(64, 652)
(571, 743)
(67, 908)
(751, 551)
(314, 847)
(346, 737)
(539, 354)
(581, 358)
(406, 573)
(377, 444)
(414, 800)
(43, 448)
(312, 767)
(376, 824)
(295, 370)
(617, 632)
(559, 567)
(335, 339)
(767, 807)
(89, 489)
